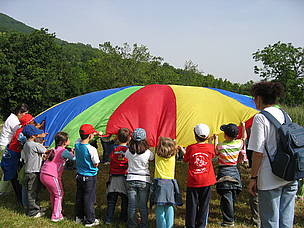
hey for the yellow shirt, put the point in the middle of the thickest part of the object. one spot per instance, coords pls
(164, 167)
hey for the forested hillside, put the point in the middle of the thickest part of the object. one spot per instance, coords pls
(8, 24)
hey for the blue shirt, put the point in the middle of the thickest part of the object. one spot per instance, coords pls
(86, 158)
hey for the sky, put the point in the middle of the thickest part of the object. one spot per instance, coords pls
(217, 35)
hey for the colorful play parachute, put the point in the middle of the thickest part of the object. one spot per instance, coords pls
(162, 110)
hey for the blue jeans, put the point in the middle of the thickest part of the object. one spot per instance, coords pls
(276, 206)
(24, 197)
(228, 198)
(138, 194)
(164, 216)
(112, 200)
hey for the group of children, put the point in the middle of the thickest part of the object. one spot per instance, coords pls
(130, 176)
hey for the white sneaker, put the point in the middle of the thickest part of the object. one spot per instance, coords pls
(39, 214)
(78, 220)
(57, 220)
(95, 223)
(43, 209)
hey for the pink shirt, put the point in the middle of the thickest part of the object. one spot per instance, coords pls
(56, 166)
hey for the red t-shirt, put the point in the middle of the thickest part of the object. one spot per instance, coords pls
(15, 145)
(200, 171)
(119, 163)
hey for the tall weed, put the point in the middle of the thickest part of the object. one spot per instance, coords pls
(296, 113)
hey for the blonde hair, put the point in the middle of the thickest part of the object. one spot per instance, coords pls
(166, 147)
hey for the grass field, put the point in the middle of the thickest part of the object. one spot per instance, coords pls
(12, 216)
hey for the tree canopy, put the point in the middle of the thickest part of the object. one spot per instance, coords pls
(284, 63)
(37, 69)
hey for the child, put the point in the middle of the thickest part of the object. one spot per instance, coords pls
(200, 177)
(11, 158)
(51, 173)
(9, 128)
(138, 178)
(228, 179)
(33, 152)
(165, 187)
(87, 161)
(117, 185)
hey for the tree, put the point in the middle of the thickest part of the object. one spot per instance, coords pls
(284, 63)
(31, 70)
(191, 67)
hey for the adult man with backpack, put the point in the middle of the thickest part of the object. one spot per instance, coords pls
(276, 194)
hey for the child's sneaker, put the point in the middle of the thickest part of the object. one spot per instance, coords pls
(43, 209)
(78, 220)
(57, 220)
(95, 223)
(39, 214)
(225, 224)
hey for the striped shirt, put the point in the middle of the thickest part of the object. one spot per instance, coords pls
(229, 151)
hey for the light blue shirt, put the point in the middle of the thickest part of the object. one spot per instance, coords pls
(86, 158)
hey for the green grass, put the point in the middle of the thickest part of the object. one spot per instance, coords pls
(296, 113)
(12, 216)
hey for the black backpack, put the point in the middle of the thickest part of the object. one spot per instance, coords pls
(288, 162)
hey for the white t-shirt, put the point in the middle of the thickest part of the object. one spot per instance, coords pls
(263, 133)
(138, 165)
(10, 126)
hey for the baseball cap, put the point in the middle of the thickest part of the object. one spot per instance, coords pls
(230, 129)
(139, 134)
(30, 130)
(87, 129)
(202, 130)
(26, 119)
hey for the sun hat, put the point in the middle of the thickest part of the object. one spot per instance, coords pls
(30, 130)
(202, 130)
(230, 130)
(139, 134)
(87, 129)
(26, 119)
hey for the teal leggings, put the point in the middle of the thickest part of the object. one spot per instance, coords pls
(164, 216)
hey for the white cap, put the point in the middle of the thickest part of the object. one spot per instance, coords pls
(202, 130)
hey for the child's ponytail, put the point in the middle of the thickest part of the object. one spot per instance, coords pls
(49, 155)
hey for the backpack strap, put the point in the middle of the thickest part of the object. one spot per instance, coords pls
(271, 118)
(276, 123)
(287, 118)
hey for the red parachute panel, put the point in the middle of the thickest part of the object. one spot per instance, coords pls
(152, 107)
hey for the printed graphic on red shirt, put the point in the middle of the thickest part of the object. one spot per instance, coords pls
(200, 163)
(120, 155)
(119, 163)
(200, 169)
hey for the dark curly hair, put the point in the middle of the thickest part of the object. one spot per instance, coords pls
(268, 91)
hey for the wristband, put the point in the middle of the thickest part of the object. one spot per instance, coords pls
(254, 178)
